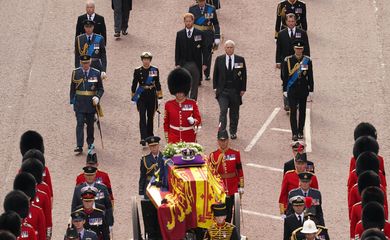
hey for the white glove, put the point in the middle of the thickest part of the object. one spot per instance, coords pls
(110, 227)
(95, 100)
(217, 41)
(311, 95)
(159, 101)
(142, 197)
(241, 191)
(285, 94)
(191, 120)
(283, 216)
(103, 75)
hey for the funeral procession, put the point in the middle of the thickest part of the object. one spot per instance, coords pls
(194, 120)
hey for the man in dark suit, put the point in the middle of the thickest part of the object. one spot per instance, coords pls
(298, 147)
(290, 6)
(91, 44)
(229, 84)
(284, 45)
(122, 10)
(295, 220)
(78, 221)
(306, 191)
(100, 25)
(190, 48)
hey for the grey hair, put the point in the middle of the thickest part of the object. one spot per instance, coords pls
(90, 2)
(230, 42)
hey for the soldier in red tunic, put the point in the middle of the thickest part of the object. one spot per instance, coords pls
(101, 177)
(10, 221)
(291, 181)
(373, 216)
(182, 117)
(18, 202)
(227, 163)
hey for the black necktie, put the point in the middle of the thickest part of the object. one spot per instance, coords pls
(189, 33)
(89, 40)
(85, 74)
(299, 219)
(292, 33)
(305, 194)
(201, 10)
(230, 63)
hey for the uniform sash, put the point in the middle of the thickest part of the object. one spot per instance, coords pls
(295, 76)
(91, 47)
(200, 21)
(140, 89)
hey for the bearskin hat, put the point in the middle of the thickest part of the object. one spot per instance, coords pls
(373, 234)
(363, 144)
(10, 221)
(367, 161)
(179, 80)
(364, 129)
(6, 235)
(17, 201)
(372, 194)
(373, 216)
(31, 140)
(35, 153)
(34, 167)
(367, 179)
(26, 183)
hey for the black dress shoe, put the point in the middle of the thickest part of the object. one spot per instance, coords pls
(143, 143)
(78, 150)
(117, 34)
(207, 78)
(233, 136)
(295, 137)
(300, 136)
(125, 32)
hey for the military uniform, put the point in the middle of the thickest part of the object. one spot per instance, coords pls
(322, 234)
(84, 234)
(36, 218)
(150, 166)
(287, 6)
(27, 232)
(297, 83)
(84, 86)
(206, 20)
(221, 230)
(146, 95)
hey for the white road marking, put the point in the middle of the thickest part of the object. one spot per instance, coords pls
(308, 131)
(262, 130)
(264, 167)
(262, 214)
(281, 130)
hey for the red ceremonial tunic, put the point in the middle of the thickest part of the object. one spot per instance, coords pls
(176, 126)
(353, 178)
(354, 197)
(356, 216)
(352, 164)
(290, 182)
(228, 165)
(36, 219)
(47, 180)
(359, 230)
(101, 177)
(42, 200)
(27, 232)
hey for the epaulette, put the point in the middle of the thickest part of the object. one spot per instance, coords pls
(140, 67)
(293, 189)
(285, 59)
(209, 5)
(294, 233)
(79, 209)
(322, 227)
(95, 69)
(307, 57)
(153, 66)
(290, 171)
(234, 150)
(98, 209)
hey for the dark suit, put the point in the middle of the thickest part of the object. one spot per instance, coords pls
(98, 55)
(228, 85)
(207, 22)
(290, 224)
(99, 28)
(284, 8)
(317, 202)
(191, 50)
(290, 165)
(299, 90)
(122, 10)
(82, 90)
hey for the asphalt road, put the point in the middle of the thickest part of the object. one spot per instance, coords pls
(350, 56)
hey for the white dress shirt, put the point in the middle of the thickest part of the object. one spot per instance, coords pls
(291, 32)
(91, 17)
(192, 31)
(227, 61)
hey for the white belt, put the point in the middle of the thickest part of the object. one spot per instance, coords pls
(181, 128)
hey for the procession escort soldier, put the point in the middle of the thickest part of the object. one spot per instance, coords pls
(95, 219)
(10, 221)
(290, 6)
(150, 166)
(298, 147)
(86, 90)
(6, 235)
(221, 228)
(100, 24)
(372, 217)
(146, 92)
(291, 181)
(190, 50)
(31, 146)
(229, 84)
(78, 221)
(93, 45)
(306, 191)
(206, 20)
(101, 177)
(373, 233)
(226, 162)
(25, 182)
(322, 231)
(298, 84)
(285, 46)
(181, 117)
(17, 201)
